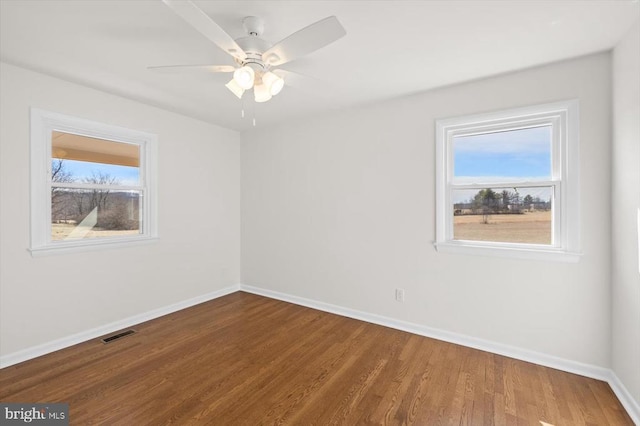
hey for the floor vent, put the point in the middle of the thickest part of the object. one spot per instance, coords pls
(117, 336)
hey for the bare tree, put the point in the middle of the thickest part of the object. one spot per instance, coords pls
(115, 208)
(100, 197)
(59, 174)
(121, 213)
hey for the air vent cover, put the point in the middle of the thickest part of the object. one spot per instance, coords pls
(117, 336)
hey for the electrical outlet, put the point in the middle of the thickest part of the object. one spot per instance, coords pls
(399, 294)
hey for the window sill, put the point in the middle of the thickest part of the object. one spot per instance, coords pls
(84, 246)
(528, 253)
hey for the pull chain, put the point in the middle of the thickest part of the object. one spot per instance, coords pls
(253, 112)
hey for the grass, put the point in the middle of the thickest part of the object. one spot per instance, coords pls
(530, 227)
(60, 231)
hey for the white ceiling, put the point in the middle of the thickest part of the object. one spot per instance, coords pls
(392, 48)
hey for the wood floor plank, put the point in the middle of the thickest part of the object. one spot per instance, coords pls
(248, 360)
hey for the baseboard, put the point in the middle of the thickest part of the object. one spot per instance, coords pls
(55, 345)
(627, 401)
(539, 358)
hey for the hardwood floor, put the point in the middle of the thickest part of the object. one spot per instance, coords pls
(249, 360)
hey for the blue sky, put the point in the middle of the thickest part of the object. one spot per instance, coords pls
(523, 154)
(81, 169)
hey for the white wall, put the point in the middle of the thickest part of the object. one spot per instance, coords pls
(47, 298)
(625, 203)
(340, 209)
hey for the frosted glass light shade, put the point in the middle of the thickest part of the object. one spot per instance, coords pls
(261, 93)
(273, 82)
(244, 77)
(235, 88)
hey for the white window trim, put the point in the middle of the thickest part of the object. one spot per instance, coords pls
(43, 123)
(565, 180)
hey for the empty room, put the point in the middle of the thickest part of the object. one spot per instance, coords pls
(320, 212)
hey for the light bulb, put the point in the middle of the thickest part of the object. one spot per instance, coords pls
(244, 77)
(273, 82)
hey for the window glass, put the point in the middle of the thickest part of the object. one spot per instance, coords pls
(87, 195)
(508, 215)
(86, 159)
(82, 214)
(84, 171)
(522, 154)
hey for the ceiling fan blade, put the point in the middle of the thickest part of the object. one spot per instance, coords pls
(293, 78)
(305, 83)
(305, 41)
(206, 26)
(207, 68)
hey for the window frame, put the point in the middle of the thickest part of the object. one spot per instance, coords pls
(563, 118)
(43, 123)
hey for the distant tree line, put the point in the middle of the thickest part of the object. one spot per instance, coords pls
(488, 201)
(116, 210)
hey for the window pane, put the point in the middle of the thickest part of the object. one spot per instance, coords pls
(523, 155)
(508, 215)
(90, 160)
(82, 214)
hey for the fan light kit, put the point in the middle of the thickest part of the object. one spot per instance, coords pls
(255, 58)
(244, 77)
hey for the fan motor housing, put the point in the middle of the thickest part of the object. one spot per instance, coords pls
(253, 46)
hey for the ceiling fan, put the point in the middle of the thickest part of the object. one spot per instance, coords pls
(256, 59)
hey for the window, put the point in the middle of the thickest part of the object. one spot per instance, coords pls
(507, 183)
(92, 185)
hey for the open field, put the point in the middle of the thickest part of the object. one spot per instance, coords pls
(530, 227)
(59, 231)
